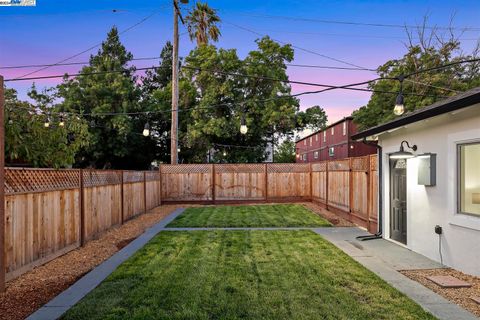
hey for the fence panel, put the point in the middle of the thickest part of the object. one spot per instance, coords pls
(359, 189)
(102, 201)
(153, 189)
(338, 184)
(319, 182)
(288, 181)
(187, 182)
(240, 182)
(42, 216)
(133, 194)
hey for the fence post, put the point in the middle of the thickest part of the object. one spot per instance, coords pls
(326, 184)
(82, 210)
(2, 189)
(213, 184)
(311, 182)
(144, 191)
(266, 182)
(121, 197)
(160, 185)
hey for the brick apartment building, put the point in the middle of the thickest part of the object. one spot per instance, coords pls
(334, 142)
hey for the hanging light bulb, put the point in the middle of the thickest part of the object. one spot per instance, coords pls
(399, 108)
(243, 126)
(61, 123)
(46, 124)
(224, 153)
(146, 130)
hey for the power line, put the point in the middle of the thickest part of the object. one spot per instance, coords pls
(94, 46)
(366, 24)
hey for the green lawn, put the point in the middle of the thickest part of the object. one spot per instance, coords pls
(243, 275)
(282, 215)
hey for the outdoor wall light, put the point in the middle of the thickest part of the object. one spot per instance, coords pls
(402, 154)
(399, 108)
(243, 126)
(146, 130)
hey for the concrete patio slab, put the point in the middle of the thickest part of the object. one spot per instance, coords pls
(385, 258)
(64, 301)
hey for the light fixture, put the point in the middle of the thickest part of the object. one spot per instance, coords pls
(243, 126)
(224, 153)
(146, 130)
(399, 108)
(61, 123)
(402, 154)
(178, 149)
(46, 124)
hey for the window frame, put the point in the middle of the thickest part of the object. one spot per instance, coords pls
(331, 152)
(459, 178)
(333, 130)
(315, 155)
(325, 136)
(344, 128)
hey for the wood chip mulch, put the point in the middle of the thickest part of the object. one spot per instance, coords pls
(460, 296)
(329, 216)
(30, 291)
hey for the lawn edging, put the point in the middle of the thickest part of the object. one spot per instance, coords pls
(68, 298)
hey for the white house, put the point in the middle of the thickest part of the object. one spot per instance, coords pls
(435, 183)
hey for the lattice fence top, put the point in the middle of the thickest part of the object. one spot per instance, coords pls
(360, 164)
(133, 176)
(185, 168)
(373, 163)
(339, 165)
(240, 168)
(288, 167)
(319, 166)
(95, 178)
(152, 175)
(21, 180)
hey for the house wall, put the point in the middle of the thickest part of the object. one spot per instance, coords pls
(437, 205)
(341, 143)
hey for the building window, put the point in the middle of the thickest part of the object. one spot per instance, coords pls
(468, 178)
(304, 157)
(311, 140)
(331, 151)
(305, 142)
(333, 131)
(315, 155)
(325, 136)
(316, 138)
(345, 128)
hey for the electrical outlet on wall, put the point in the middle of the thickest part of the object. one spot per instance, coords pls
(438, 229)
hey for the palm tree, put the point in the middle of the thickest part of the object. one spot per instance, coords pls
(202, 24)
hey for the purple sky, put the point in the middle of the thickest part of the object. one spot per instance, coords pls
(54, 30)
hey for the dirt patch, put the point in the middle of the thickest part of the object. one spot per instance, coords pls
(329, 216)
(461, 296)
(33, 289)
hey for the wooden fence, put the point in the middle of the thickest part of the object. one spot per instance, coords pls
(348, 187)
(50, 212)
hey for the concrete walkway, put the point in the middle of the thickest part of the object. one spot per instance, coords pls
(385, 258)
(380, 256)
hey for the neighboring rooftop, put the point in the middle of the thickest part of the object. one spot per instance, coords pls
(460, 101)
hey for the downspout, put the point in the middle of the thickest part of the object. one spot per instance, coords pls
(377, 235)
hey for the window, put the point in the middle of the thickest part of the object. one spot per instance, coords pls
(333, 131)
(468, 178)
(316, 137)
(325, 136)
(304, 157)
(344, 128)
(305, 142)
(315, 155)
(331, 151)
(311, 140)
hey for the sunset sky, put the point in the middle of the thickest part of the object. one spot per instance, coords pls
(55, 30)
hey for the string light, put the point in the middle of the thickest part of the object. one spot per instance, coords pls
(243, 125)
(146, 130)
(399, 108)
(46, 124)
(62, 122)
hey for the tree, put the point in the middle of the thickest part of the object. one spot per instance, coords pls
(285, 153)
(104, 99)
(313, 118)
(422, 89)
(223, 99)
(202, 24)
(29, 142)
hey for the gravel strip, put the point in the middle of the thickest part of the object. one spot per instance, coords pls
(459, 296)
(33, 289)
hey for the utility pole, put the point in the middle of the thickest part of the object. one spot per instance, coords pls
(175, 66)
(2, 188)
